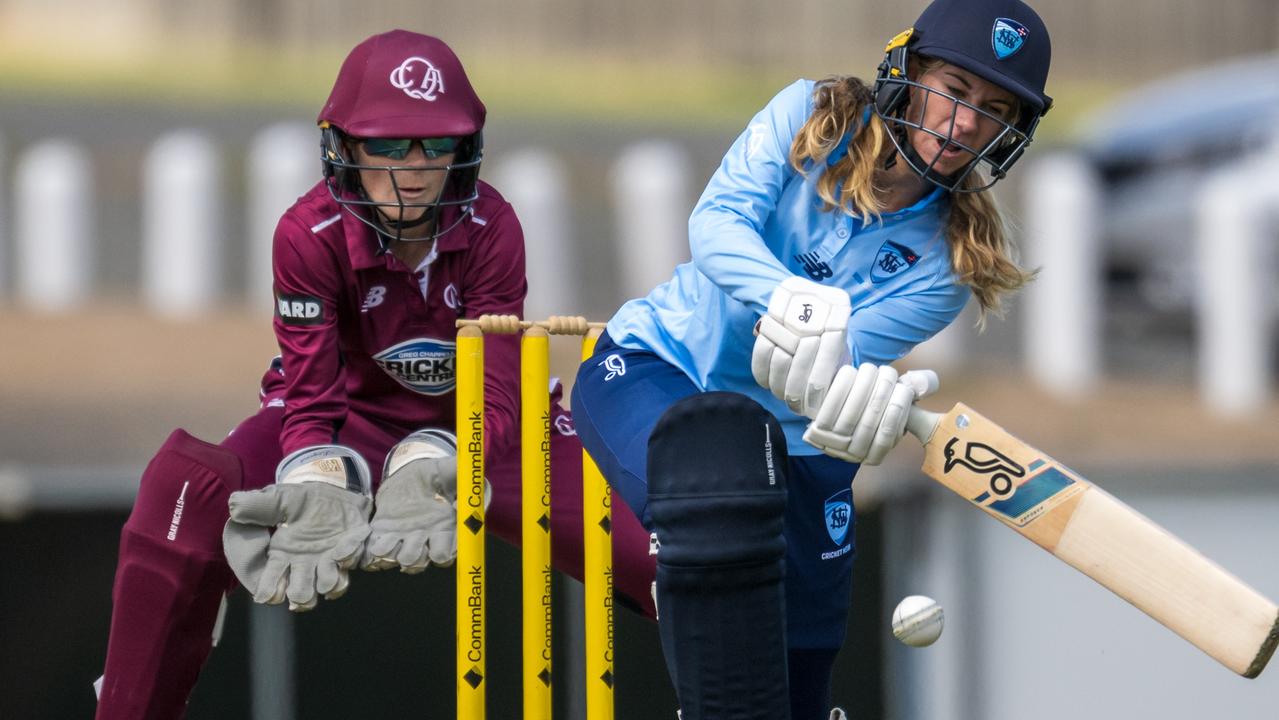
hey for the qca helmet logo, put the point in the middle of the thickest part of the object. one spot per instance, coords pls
(419, 79)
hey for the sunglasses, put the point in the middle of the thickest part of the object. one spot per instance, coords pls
(399, 148)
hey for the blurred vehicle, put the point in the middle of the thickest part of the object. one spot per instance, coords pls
(1153, 149)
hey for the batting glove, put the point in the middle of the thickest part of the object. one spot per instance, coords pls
(801, 342)
(864, 414)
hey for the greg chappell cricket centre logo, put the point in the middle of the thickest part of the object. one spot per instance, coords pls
(423, 365)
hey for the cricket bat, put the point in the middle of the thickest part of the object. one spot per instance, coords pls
(1098, 535)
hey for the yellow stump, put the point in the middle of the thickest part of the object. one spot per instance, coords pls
(597, 536)
(535, 521)
(470, 525)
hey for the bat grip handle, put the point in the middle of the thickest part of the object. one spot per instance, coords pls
(922, 423)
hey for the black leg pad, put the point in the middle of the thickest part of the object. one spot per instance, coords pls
(717, 496)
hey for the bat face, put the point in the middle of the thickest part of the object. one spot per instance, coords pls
(983, 459)
(1100, 536)
(1005, 477)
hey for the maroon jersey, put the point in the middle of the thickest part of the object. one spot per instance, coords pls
(361, 332)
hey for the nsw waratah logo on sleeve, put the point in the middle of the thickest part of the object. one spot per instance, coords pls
(423, 365)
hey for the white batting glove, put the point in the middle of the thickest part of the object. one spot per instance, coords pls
(864, 414)
(319, 507)
(801, 342)
(415, 523)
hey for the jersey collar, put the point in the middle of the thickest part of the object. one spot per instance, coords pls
(366, 252)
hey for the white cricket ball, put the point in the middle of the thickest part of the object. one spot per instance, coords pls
(917, 621)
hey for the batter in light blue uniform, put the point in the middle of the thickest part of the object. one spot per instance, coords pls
(845, 225)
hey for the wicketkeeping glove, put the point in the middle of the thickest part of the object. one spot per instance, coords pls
(801, 342)
(415, 523)
(319, 507)
(865, 412)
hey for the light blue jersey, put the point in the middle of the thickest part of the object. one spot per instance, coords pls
(759, 222)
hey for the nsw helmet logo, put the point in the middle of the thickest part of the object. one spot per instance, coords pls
(1007, 37)
(418, 78)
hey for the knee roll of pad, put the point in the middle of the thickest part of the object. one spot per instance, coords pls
(717, 487)
(717, 496)
(182, 495)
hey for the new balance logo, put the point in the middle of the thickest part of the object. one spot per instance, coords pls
(813, 265)
(376, 295)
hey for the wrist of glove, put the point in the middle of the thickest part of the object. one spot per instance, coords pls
(319, 509)
(801, 341)
(415, 524)
(864, 414)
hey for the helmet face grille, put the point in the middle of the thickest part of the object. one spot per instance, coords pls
(988, 165)
(458, 190)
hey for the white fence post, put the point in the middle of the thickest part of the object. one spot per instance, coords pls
(650, 182)
(5, 253)
(534, 182)
(1061, 325)
(283, 163)
(53, 211)
(1235, 230)
(181, 228)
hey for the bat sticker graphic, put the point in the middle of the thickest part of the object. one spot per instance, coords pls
(986, 460)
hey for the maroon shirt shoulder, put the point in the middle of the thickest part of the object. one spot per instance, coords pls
(357, 334)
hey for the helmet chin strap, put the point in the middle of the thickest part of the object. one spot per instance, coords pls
(399, 226)
(391, 231)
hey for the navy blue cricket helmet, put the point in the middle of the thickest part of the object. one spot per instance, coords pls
(1002, 41)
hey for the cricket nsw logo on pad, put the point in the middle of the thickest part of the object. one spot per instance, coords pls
(839, 515)
(423, 365)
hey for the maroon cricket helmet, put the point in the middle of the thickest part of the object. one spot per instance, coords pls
(403, 84)
(399, 85)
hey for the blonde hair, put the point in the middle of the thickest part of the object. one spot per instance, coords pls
(981, 253)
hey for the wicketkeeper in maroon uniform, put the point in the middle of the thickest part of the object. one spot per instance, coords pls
(350, 461)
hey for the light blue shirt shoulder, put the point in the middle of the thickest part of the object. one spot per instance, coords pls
(760, 221)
